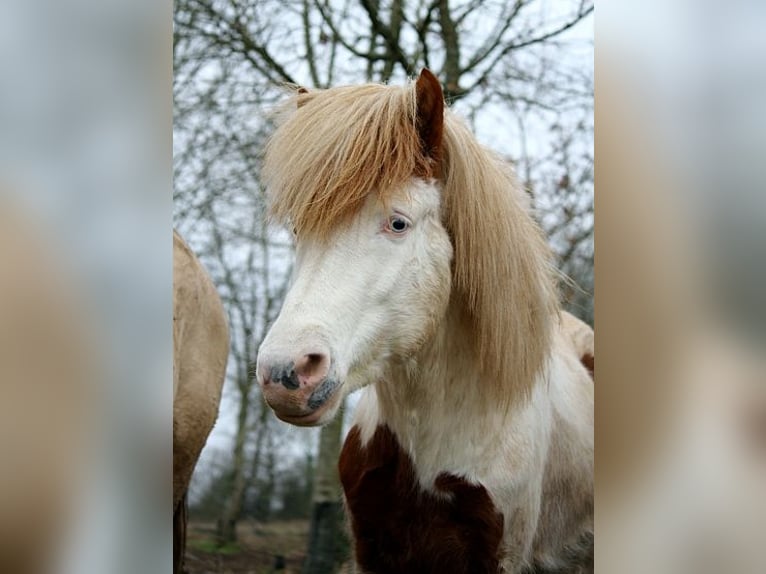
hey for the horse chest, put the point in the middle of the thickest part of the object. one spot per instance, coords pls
(400, 528)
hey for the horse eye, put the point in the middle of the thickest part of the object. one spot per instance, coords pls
(398, 224)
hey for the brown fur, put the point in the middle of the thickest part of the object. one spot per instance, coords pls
(399, 528)
(180, 519)
(200, 351)
(430, 118)
(589, 362)
(344, 144)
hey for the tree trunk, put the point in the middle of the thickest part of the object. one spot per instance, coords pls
(226, 531)
(327, 538)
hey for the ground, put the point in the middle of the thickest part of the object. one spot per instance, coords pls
(257, 552)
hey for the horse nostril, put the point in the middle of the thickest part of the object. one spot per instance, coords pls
(314, 360)
(312, 365)
(263, 373)
(284, 375)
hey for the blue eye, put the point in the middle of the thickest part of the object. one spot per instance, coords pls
(398, 224)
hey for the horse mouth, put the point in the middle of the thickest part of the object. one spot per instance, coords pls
(308, 420)
(322, 401)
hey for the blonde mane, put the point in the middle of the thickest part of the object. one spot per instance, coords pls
(336, 147)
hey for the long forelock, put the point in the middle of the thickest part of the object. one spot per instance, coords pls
(335, 148)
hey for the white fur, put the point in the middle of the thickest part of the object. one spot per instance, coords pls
(381, 304)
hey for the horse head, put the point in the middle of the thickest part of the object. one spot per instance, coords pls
(371, 282)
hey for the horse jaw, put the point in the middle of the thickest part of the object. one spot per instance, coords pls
(367, 295)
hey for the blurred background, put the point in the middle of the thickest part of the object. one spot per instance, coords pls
(680, 324)
(520, 72)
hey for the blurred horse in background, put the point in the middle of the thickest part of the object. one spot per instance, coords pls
(200, 352)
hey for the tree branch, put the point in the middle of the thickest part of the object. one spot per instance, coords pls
(394, 49)
(309, 44)
(537, 40)
(370, 55)
(491, 45)
(451, 52)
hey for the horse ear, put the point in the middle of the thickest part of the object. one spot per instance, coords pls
(430, 113)
(301, 91)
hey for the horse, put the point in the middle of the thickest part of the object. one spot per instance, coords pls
(200, 353)
(422, 278)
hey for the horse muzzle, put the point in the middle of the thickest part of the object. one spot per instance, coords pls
(300, 390)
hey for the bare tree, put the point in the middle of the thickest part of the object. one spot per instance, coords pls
(252, 299)
(218, 204)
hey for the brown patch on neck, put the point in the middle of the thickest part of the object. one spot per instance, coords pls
(399, 528)
(590, 363)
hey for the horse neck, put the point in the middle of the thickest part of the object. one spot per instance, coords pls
(439, 408)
